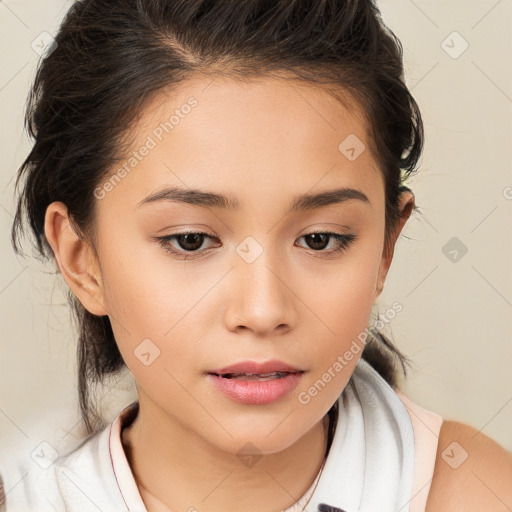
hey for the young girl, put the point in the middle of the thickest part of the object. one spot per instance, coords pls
(221, 185)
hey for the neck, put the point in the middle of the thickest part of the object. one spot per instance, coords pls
(193, 475)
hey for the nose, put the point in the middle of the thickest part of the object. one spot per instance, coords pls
(261, 297)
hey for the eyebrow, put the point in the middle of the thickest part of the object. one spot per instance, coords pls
(301, 202)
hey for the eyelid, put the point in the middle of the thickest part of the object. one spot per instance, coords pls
(345, 241)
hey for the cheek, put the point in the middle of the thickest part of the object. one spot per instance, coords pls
(140, 300)
(344, 318)
(344, 305)
(345, 297)
(156, 306)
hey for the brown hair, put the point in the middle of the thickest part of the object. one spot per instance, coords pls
(111, 56)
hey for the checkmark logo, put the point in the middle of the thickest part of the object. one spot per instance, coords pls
(454, 455)
(146, 352)
(44, 455)
(454, 249)
(249, 455)
(454, 45)
(249, 249)
(351, 147)
(44, 44)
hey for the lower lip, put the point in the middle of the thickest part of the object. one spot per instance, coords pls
(255, 391)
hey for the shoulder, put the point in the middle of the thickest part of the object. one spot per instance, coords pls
(472, 472)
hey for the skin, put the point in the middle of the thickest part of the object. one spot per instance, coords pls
(482, 482)
(263, 142)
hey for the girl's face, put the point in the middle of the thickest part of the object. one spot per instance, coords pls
(255, 285)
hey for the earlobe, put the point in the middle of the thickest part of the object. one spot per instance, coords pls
(75, 258)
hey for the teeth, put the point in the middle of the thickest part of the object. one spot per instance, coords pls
(255, 376)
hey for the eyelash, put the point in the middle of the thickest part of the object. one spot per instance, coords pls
(344, 242)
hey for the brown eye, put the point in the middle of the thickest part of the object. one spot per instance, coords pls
(190, 241)
(317, 241)
(184, 244)
(320, 240)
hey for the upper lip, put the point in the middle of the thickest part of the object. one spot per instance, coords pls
(257, 368)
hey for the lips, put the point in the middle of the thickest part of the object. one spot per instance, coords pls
(255, 376)
(253, 383)
(252, 370)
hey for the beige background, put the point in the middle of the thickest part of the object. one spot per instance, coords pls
(456, 321)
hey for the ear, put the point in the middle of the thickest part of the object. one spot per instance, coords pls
(76, 259)
(406, 205)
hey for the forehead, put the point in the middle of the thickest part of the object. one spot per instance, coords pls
(258, 136)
